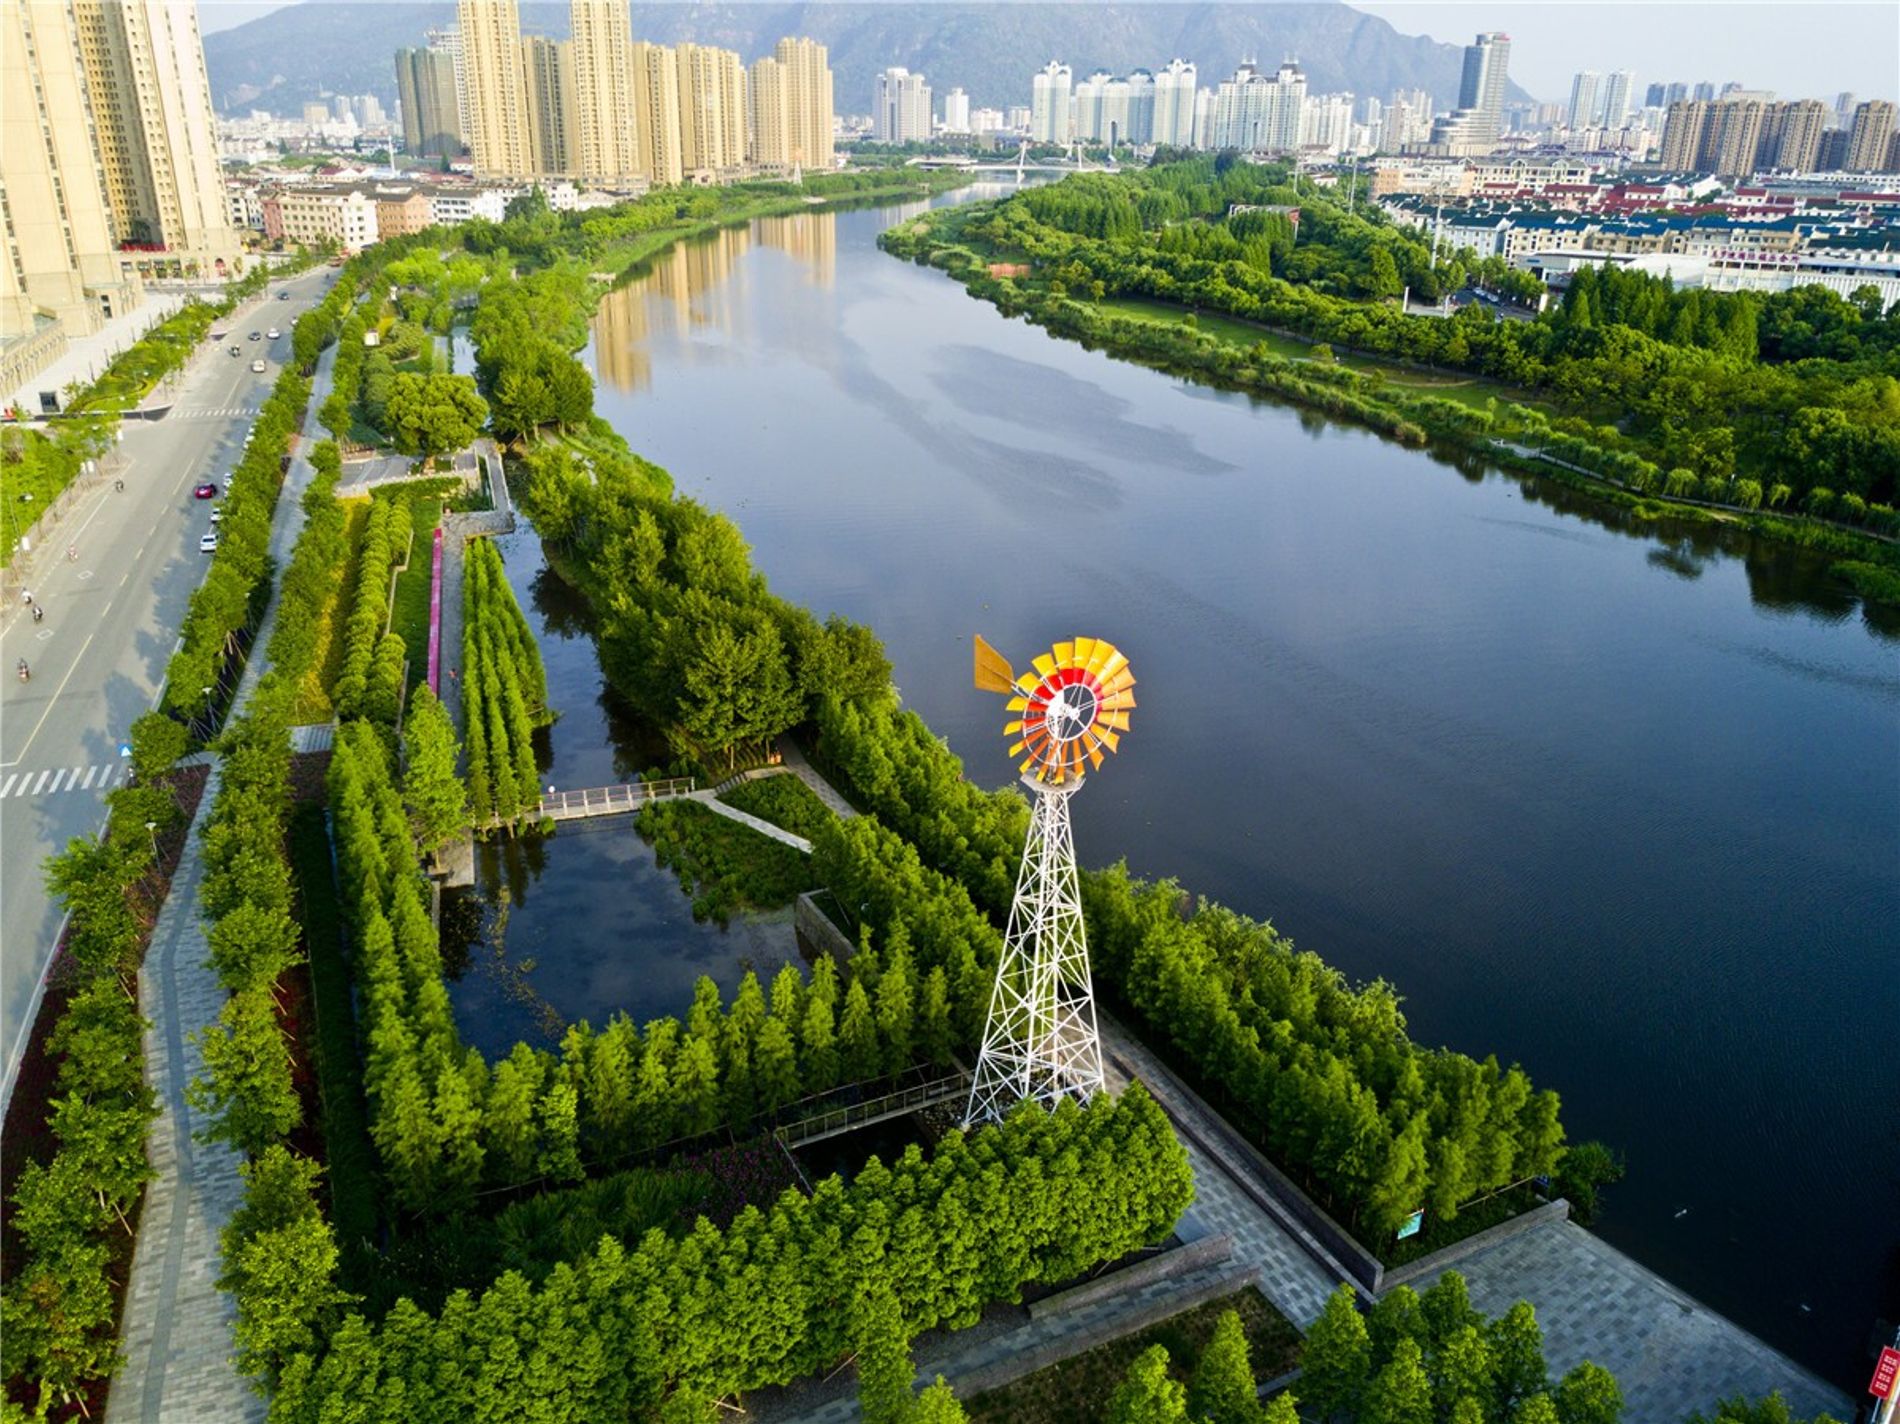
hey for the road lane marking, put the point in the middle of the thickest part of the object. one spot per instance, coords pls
(7, 785)
(72, 782)
(91, 772)
(41, 782)
(59, 775)
(55, 697)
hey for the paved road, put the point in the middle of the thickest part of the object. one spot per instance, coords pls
(112, 619)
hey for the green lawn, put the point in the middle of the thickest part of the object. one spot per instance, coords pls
(722, 864)
(351, 1159)
(1078, 1390)
(409, 619)
(313, 697)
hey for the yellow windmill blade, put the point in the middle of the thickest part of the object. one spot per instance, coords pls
(1074, 703)
(993, 673)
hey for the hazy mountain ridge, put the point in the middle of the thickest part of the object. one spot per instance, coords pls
(303, 52)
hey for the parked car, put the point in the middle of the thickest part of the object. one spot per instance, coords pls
(217, 514)
(207, 490)
(257, 336)
(272, 334)
(258, 366)
(208, 543)
(236, 350)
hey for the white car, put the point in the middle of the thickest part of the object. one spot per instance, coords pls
(208, 542)
(258, 367)
(272, 334)
(217, 514)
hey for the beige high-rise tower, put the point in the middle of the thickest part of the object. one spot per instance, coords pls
(656, 116)
(150, 106)
(548, 79)
(495, 82)
(768, 117)
(807, 101)
(605, 145)
(62, 264)
(711, 109)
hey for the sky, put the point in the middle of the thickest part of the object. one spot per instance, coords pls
(1801, 49)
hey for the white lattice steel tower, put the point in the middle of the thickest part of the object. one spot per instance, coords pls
(1040, 1041)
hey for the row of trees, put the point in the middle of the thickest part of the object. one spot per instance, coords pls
(237, 585)
(1433, 1359)
(370, 682)
(70, 1215)
(664, 1328)
(504, 690)
(1221, 1389)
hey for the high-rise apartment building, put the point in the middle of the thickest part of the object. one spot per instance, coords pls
(1259, 113)
(1682, 134)
(1050, 95)
(1723, 136)
(548, 89)
(768, 114)
(449, 42)
(1870, 137)
(1486, 77)
(1844, 109)
(656, 117)
(495, 82)
(1111, 110)
(425, 85)
(150, 109)
(64, 275)
(712, 108)
(1584, 102)
(603, 141)
(1791, 136)
(1704, 91)
(900, 107)
(1618, 89)
(956, 112)
(1174, 104)
(808, 102)
(1655, 97)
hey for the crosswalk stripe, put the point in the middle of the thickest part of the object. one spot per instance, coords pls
(58, 776)
(26, 782)
(41, 782)
(7, 785)
(72, 782)
(91, 772)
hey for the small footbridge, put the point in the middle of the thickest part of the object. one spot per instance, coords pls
(848, 1117)
(595, 801)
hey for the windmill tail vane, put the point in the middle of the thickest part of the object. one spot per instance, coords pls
(1072, 704)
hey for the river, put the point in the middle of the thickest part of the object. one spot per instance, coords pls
(1621, 804)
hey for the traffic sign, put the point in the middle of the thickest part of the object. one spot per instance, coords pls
(1412, 1224)
(125, 749)
(1884, 1373)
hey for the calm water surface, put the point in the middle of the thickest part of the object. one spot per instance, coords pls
(1620, 805)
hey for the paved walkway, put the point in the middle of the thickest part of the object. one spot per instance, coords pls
(1672, 1355)
(86, 356)
(794, 762)
(176, 1328)
(710, 800)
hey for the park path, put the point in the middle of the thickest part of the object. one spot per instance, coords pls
(177, 1326)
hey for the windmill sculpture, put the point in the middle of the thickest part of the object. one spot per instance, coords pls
(1040, 1041)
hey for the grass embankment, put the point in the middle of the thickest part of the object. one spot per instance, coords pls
(409, 615)
(1078, 1390)
(313, 695)
(352, 1159)
(724, 866)
(785, 801)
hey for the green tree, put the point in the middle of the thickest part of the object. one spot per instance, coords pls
(877, 1332)
(433, 793)
(1146, 1394)
(858, 1051)
(1222, 1390)
(1336, 1360)
(1588, 1394)
(1517, 1355)
(1401, 1393)
(433, 414)
(938, 1404)
(246, 1091)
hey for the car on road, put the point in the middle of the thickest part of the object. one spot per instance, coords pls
(283, 296)
(217, 514)
(272, 334)
(258, 366)
(236, 350)
(208, 543)
(207, 490)
(257, 336)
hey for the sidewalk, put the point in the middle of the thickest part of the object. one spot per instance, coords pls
(86, 356)
(177, 1324)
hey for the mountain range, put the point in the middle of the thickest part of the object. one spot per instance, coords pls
(305, 52)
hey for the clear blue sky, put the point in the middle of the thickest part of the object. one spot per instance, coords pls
(1799, 48)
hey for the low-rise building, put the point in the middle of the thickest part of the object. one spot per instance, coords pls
(315, 214)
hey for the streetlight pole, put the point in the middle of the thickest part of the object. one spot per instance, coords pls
(151, 829)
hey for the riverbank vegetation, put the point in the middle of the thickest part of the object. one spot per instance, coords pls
(1779, 413)
(785, 801)
(723, 866)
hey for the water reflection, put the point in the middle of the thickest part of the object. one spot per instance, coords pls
(696, 286)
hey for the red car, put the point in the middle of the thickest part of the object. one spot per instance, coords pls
(207, 490)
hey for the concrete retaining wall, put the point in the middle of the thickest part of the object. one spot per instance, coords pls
(814, 927)
(1208, 1251)
(1429, 1266)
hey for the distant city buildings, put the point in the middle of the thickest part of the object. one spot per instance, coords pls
(900, 107)
(1050, 93)
(1473, 127)
(1258, 112)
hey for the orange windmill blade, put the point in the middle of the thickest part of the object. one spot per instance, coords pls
(1074, 705)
